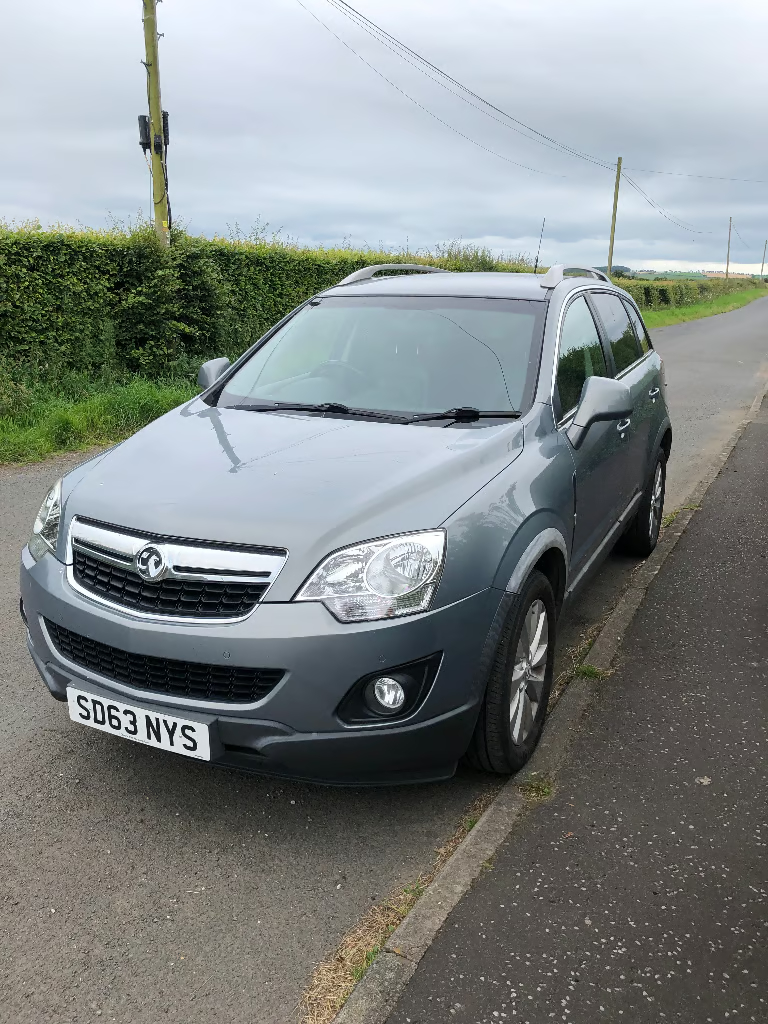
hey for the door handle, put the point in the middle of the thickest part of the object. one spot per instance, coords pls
(623, 426)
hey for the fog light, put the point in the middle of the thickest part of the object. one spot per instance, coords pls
(389, 694)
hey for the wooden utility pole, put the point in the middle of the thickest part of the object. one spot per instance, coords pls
(763, 263)
(613, 219)
(157, 134)
(728, 258)
(536, 264)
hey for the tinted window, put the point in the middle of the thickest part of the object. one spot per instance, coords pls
(581, 354)
(621, 336)
(398, 354)
(640, 331)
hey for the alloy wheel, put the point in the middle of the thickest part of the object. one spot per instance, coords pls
(529, 671)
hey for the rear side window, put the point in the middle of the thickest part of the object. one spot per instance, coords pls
(624, 344)
(581, 354)
(640, 331)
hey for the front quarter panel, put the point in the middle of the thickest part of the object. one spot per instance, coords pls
(489, 534)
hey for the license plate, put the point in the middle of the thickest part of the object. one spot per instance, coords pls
(153, 728)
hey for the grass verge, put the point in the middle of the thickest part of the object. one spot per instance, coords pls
(536, 788)
(681, 314)
(41, 420)
(573, 657)
(670, 517)
(333, 980)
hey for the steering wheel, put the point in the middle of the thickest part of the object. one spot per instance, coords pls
(332, 367)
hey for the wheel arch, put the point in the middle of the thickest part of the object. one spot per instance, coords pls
(552, 565)
(663, 440)
(547, 552)
(666, 442)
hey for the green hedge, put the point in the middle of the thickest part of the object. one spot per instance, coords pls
(88, 300)
(666, 294)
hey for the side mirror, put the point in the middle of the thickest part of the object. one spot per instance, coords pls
(210, 372)
(602, 398)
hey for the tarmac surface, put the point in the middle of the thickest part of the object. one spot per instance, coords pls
(639, 891)
(135, 887)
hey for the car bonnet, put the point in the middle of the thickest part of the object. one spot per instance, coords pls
(303, 482)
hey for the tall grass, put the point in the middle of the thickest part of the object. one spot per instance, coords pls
(41, 417)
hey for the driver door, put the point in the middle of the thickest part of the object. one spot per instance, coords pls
(599, 462)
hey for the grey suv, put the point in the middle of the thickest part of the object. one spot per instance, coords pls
(345, 560)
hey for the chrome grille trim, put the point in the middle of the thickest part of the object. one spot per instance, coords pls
(206, 563)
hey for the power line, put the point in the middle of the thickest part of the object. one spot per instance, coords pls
(659, 209)
(421, 106)
(440, 77)
(708, 177)
(420, 63)
(739, 237)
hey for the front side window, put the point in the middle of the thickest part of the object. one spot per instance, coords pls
(621, 336)
(640, 331)
(581, 354)
(399, 354)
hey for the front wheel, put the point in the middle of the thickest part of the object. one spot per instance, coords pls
(515, 703)
(643, 533)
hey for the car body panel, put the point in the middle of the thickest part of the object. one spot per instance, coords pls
(642, 378)
(506, 492)
(299, 482)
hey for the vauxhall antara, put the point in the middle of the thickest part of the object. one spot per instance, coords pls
(345, 559)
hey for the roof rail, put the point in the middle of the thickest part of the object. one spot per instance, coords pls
(367, 272)
(562, 270)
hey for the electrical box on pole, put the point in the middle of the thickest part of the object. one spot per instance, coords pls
(153, 130)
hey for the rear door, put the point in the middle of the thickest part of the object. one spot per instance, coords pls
(657, 410)
(630, 366)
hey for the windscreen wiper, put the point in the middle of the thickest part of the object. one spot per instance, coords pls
(467, 414)
(332, 407)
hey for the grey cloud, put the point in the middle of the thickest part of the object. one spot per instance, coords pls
(272, 117)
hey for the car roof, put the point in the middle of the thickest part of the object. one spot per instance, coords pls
(495, 285)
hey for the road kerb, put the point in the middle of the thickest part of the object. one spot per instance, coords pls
(375, 995)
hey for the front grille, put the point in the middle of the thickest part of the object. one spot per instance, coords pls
(183, 597)
(219, 683)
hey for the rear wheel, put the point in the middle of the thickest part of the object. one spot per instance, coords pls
(643, 534)
(515, 703)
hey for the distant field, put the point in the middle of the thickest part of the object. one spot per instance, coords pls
(722, 304)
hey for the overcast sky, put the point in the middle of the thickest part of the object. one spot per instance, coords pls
(274, 119)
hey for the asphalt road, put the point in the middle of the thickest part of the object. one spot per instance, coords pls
(137, 887)
(714, 368)
(638, 892)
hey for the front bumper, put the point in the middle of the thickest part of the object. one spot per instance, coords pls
(294, 730)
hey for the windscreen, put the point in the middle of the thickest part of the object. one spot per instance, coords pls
(398, 354)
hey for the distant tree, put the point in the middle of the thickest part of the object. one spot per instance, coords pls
(617, 270)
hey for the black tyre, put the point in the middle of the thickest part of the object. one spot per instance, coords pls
(515, 703)
(643, 533)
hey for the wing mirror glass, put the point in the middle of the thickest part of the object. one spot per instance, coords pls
(210, 372)
(602, 398)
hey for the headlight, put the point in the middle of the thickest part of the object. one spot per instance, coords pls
(45, 532)
(379, 580)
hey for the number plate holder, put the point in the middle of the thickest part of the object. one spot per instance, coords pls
(177, 731)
